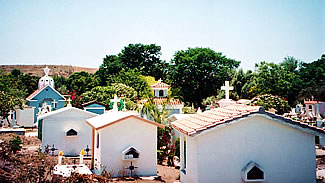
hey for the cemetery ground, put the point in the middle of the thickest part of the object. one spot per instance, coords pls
(31, 165)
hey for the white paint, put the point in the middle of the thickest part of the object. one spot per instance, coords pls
(25, 117)
(57, 123)
(115, 101)
(114, 139)
(227, 88)
(285, 154)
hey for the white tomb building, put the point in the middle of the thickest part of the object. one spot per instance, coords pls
(124, 143)
(240, 143)
(65, 129)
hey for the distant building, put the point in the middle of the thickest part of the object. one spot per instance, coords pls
(45, 98)
(95, 107)
(241, 143)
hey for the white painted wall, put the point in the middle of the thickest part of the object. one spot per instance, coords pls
(284, 153)
(55, 127)
(116, 138)
(25, 117)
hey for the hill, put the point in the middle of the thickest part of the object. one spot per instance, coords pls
(37, 70)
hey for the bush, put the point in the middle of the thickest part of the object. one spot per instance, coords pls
(269, 101)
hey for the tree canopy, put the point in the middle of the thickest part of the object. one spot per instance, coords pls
(200, 72)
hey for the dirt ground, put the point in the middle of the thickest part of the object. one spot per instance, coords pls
(29, 156)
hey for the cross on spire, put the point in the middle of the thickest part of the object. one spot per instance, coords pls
(47, 71)
(115, 100)
(227, 88)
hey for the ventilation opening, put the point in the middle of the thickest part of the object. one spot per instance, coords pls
(255, 173)
(161, 93)
(132, 152)
(72, 132)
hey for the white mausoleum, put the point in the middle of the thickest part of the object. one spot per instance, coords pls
(241, 143)
(124, 143)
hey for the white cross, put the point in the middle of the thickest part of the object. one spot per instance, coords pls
(69, 102)
(159, 80)
(54, 103)
(115, 100)
(227, 88)
(47, 71)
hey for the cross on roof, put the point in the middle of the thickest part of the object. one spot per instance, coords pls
(47, 71)
(227, 88)
(160, 80)
(115, 100)
(69, 102)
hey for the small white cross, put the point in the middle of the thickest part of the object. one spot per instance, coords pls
(69, 102)
(47, 71)
(159, 80)
(54, 103)
(227, 88)
(115, 100)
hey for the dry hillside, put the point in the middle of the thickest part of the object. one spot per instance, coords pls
(37, 70)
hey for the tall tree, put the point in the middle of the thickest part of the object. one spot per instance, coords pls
(199, 72)
(9, 102)
(242, 83)
(81, 82)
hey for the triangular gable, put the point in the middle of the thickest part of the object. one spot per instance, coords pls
(221, 117)
(36, 92)
(108, 119)
(58, 111)
(93, 102)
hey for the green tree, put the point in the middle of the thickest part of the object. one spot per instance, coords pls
(276, 80)
(133, 79)
(9, 102)
(242, 83)
(61, 83)
(313, 77)
(81, 82)
(199, 73)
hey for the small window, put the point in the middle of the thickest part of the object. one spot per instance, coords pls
(255, 173)
(310, 107)
(161, 93)
(72, 132)
(130, 153)
(47, 89)
(252, 172)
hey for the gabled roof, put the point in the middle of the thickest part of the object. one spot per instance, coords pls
(111, 118)
(218, 117)
(36, 92)
(93, 102)
(160, 85)
(161, 101)
(46, 115)
(313, 102)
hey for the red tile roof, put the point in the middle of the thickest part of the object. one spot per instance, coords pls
(35, 93)
(212, 118)
(161, 101)
(313, 102)
(93, 102)
(160, 85)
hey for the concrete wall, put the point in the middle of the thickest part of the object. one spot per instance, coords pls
(25, 117)
(284, 153)
(55, 127)
(116, 138)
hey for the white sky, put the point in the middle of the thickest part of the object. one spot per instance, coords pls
(81, 33)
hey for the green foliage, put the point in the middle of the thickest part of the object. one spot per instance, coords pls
(61, 84)
(15, 72)
(81, 82)
(145, 59)
(199, 72)
(276, 80)
(132, 79)
(313, 77)
(105, 93)
(242, 83)
(9, 102)
(209, 100)
(14, 144)
(270, 101)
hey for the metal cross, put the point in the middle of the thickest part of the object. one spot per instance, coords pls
(53, 149)
(87, 150)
